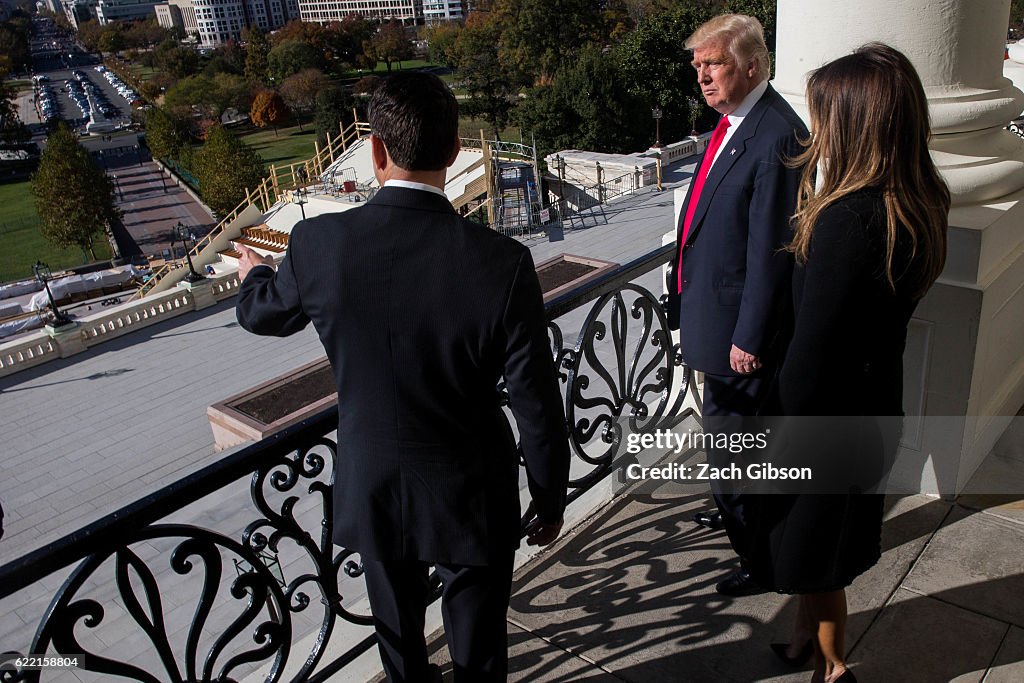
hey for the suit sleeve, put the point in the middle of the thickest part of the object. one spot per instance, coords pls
(769, 267)
(533, 394)
(268, 302)
(836, 263)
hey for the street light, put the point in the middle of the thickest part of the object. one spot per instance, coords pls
(300, 199)
(656, 114)
(43, 274)
(181, 231)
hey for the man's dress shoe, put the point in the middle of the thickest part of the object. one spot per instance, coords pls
(709, 520)
(738, 584)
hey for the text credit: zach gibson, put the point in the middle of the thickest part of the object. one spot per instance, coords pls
(733, 442)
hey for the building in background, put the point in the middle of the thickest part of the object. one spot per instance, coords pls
(124, 10)
(325, 11)
(214, 22)
(78, 11)
(440, 11)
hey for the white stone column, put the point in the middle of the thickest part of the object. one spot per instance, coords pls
(965, 353)
(957, 48)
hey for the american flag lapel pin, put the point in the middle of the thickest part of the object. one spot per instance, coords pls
(732, 151)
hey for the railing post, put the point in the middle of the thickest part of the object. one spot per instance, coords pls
(489, 177)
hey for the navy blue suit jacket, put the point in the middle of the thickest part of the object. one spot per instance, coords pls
(735, 277)
(421, 312)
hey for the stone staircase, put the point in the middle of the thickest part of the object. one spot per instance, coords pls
(261, 238)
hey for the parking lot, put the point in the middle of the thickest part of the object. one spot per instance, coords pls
(65, 88)
(67, 78)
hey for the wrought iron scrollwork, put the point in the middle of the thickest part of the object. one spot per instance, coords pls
(76, 619)
(623, 373)
(322, 567)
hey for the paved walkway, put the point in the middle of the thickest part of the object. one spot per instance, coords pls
(153, 205)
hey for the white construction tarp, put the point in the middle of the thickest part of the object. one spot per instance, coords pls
(79, 284)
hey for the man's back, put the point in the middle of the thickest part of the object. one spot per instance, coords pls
(419, 311)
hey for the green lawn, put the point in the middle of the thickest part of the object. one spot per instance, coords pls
(143, 73)
(288, 146)
(470, 128)
(19, 85)
(21, 244)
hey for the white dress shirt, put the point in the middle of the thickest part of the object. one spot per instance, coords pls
(736, 118)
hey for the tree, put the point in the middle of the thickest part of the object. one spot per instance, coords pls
(211, 97)
(587, 107)
(542, 35)
(300, 90)
(74, 197)
(166, 134)
(656, 67)
(228, 58)
(441, 40)
(257, 47)
(89, 33)
(390, 43)
(14, 45)
(111, 39)
(492, 86)
(268, 109)
(178, 61)
(343, 42)
(11, 127)
(145, 33)
(333, 106)
(292, 56)
(225, 167)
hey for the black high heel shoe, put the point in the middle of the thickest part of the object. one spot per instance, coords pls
(802, 658)
(847, 677)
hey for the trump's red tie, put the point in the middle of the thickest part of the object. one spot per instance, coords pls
(698, 184)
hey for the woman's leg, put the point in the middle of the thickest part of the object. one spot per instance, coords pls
(829, 610)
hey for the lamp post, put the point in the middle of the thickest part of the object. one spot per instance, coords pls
(656, 115)
(694, 104)
(300, 199)
(181, 231)
(43, 274)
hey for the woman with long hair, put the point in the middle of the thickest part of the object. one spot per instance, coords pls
(869, 241)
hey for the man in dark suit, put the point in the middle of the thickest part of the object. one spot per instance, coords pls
(731, 277)
(421, 313)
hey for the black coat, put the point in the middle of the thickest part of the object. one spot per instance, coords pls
(421, 312)
(735, 275)
(840, 390)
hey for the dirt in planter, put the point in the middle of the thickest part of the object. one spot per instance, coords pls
(562, 272)
(290, 396)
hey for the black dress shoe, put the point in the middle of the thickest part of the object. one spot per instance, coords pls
(805, 653)
(709, 520)
(739, 584)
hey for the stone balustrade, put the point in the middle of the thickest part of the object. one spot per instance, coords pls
(39, 347)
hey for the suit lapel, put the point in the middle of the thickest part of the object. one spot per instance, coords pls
(732, 151)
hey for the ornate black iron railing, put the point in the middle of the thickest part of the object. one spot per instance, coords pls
(225, 605)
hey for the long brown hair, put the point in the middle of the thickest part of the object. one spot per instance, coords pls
(869, 122)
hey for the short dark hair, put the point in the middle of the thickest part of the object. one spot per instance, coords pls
(417, 118)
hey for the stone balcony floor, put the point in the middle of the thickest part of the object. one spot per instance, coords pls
(629, 596)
